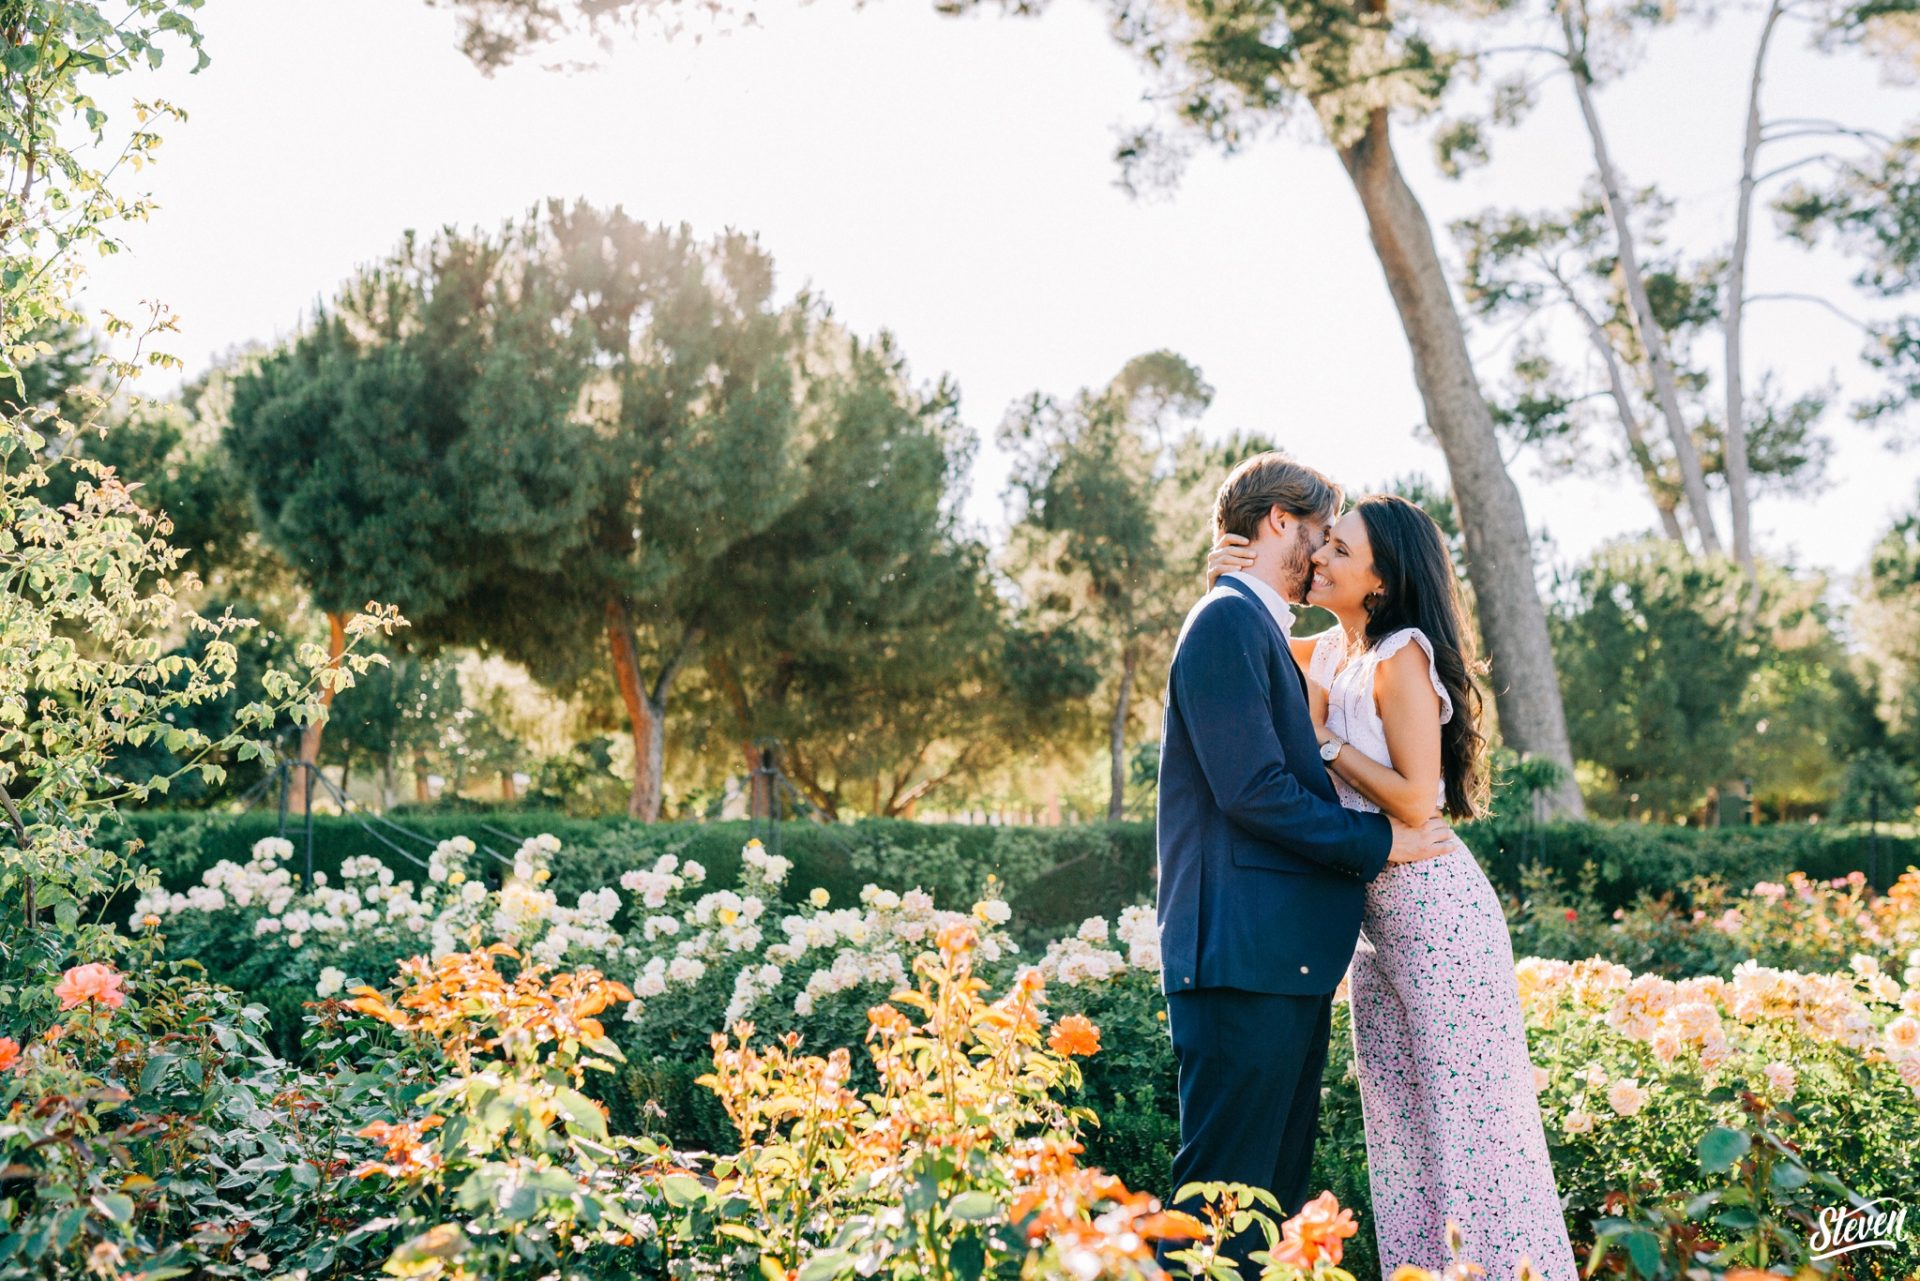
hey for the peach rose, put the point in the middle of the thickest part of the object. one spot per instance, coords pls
(1626, 1097)
(9, 1053)
(91, 982)
(1782, 1080)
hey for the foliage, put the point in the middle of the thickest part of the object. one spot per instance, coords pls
(1885, 619)
(1112, 523)
(149, 1132)
(889, 669)
(1670, 670)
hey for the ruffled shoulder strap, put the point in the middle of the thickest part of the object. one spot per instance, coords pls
(1329, 648)
(1398, 641)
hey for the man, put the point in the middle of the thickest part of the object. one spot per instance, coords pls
(1262, 873)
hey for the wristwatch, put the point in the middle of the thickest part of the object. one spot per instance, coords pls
(1331, 749)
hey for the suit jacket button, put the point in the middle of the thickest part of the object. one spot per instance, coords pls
(1303, 969)
(1187, 981)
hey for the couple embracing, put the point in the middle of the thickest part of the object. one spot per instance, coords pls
(1303, 783)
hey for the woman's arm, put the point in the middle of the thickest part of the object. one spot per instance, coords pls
(1408, 789)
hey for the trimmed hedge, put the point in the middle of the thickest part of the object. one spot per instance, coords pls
(1053, 877)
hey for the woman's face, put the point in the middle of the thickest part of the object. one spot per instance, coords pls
(1343, 574)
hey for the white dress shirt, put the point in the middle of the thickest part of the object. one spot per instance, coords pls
(1276, 603)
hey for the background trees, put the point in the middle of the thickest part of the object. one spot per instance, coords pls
(402, 447)
(1224, 76)
(1113, 496)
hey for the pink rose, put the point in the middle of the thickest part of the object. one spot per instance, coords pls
(91, 982)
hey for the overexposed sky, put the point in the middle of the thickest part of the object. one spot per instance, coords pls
(951, 180)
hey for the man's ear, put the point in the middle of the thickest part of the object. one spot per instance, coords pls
(1276, 521)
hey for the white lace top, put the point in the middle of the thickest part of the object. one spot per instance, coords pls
(1351, 710)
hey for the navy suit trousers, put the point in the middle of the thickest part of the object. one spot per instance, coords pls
(1250, 1070)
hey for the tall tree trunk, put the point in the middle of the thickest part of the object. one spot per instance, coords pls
(301, 783)
(1739, 483)
(644, 801)
(759, 784)
(1693, 481)
(1117, 738)
(1637, 447)
(1499, 549)
(422, 790)
(646, 708)
(386, 782)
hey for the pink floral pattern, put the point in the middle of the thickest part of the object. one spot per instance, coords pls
(1453, 1127)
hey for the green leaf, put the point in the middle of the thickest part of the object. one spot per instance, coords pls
(826, 1265)
(115, 1206)
(682, 1190)
(1643, 1247)
(967, 1258)
(972, 1207)
(1722, 1148)
(581, 1112)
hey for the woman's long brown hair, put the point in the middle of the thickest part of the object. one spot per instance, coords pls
(1418, 589)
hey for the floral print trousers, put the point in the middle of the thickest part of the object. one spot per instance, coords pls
(1453, 1127)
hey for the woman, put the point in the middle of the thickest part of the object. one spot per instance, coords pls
(1453, 1128)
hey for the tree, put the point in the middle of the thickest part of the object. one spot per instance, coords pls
(695, 428)
(867, 638)
(398, 713)
(1544, 269)
(1112, 503)
(1872, 208)
(1660, 671)
(407, 445)
(1754, 437)
(1228, 73)
(87, 603)
(1886, 620)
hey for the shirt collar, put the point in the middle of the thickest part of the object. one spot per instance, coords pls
(1276, 604)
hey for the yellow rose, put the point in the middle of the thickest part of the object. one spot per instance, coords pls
(728, 916)
(456, 878)
(818, 897)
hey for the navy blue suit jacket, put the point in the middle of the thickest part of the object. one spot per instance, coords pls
(1262, 872)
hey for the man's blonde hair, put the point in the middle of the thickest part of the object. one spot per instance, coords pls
(1266, 481)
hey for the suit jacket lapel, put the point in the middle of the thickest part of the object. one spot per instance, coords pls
(1274, 623)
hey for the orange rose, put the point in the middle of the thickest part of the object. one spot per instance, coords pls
(1315, 1233)
(9, 1053)
(1075, 1034)
(957, 939)
(91, 982)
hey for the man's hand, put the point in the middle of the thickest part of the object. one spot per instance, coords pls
(1415, 844)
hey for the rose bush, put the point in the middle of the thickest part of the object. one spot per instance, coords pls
(1636, 1071)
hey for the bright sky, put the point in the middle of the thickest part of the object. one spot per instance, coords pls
(951, 180)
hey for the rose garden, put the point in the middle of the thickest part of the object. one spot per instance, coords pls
(411, 865)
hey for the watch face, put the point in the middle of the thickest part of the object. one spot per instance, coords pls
(1329, 750)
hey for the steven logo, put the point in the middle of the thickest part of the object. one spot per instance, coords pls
(1844, 1229)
